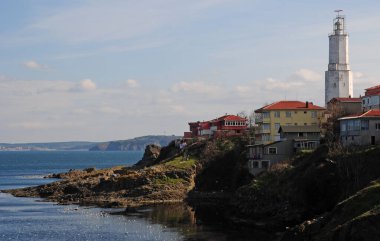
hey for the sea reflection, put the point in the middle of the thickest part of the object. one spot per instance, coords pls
(187, 223)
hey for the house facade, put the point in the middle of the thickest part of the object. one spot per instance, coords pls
(345, 106)
(303, 137)
(292, 140)
(227, 125)
(371, 99)
(285, 113)
(261, 157)
(361, 129)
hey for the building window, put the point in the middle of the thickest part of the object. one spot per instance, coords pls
(300, 134)
(266, 127)
(365, 125)
(313, 114)
(265, 114)
(288, 114)
(255, 164)
(305, 112)
(265, 164)
(265, 137)
(277, 126)
(272, 150)
(277, 114)
(377, 126)
(343, 126)
(364, 102)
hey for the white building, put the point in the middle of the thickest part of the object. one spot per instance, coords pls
(371, 98)
(338, 77)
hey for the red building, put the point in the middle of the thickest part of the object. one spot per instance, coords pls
(227, 125)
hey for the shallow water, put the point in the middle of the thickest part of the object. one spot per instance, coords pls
(34, 219)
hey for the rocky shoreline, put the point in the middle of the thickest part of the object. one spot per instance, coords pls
(167, 182)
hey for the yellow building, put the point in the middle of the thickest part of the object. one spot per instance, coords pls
(285, 113)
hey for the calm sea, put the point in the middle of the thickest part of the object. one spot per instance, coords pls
(33, 219)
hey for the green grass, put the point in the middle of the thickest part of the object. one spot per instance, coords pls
(181, 163)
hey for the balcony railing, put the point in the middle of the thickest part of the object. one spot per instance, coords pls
(262, 131)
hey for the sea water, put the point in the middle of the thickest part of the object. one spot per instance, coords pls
(35, 219)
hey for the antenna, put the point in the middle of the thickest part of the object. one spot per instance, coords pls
(338, 11)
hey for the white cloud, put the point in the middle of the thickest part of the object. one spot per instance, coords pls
(88, 85)
(358, 75)
(195, 87)
(32, 64)
(272, 84)
(132, 83)
(177, 108)
(109, 110)
(306, 75)
(243, 89)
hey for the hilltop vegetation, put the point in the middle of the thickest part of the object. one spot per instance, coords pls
(135, 144)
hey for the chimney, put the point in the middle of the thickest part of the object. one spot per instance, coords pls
(307, 104)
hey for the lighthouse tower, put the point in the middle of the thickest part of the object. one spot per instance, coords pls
(338, 77)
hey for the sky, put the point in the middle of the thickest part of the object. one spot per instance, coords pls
(99, 70)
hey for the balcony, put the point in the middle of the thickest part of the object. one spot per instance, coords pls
(263, 131)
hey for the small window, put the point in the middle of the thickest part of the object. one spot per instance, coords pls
(300, 134)
(305, 124)
(277, 114)
(305, 112)
(295, 124)
(265, 114)
(288, 114)
(313, 114)
(272, 150)
(377, 126)
(277, 127)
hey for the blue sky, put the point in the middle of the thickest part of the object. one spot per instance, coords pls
(116, 69)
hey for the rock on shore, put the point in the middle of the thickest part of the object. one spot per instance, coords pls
(166, 182)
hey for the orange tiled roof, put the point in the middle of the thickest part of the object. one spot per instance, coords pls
(290, 105)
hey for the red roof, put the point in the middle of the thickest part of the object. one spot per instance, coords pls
(205, 125)
(370, 113)
(375, 90)
(346, 99)
(374, 87)
(290, 105)
(230, 118)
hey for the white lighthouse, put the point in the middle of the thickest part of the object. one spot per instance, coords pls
(338, 77)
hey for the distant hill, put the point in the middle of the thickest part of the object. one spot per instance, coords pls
(50, 146)
(135, 144)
